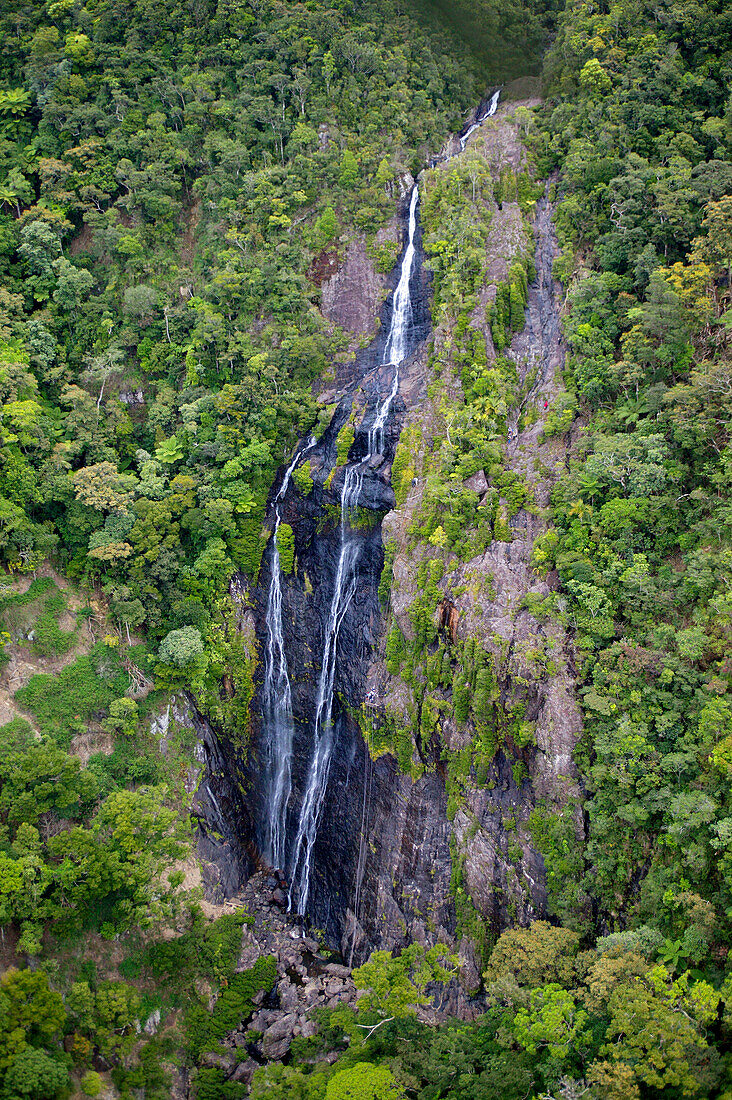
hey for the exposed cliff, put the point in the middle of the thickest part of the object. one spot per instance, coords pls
(453, 853)
(426, 835)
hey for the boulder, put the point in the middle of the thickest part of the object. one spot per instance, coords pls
(216, 1061)
(288, 994)
(478, 483)
(336, 970)
(244, 1072)
(308, 1029)
(278, 1037)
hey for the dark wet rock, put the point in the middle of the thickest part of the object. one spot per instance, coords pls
(278, 1037)
(219, 810)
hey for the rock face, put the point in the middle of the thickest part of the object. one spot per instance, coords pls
(217, 808)
(353, 295)
(386, 846)
(501, 870)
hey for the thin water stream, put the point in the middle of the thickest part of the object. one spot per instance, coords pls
(492, 108)
(277, 698)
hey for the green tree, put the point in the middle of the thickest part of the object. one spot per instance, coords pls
(35, 1075)
(593, 78)
(364, 1081)
(394, 985)
(349, 170)
(182, 647)
(326, 226)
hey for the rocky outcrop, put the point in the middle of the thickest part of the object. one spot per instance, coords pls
(352, 297)
(306, 978)
(217, 808)
(501, 871)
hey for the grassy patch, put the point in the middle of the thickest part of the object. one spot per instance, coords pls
(63, 705)
(37, 611)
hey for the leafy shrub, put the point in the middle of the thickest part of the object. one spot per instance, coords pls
(286, 547)
(63, 704)
(91, 1083)
(181, 647)
(303, 479)
(344, 442)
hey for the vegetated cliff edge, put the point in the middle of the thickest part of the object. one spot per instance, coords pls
(463, 682)
(473, 685)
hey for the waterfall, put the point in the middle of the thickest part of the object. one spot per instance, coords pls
(317, 780)
(396, 350)
(277, 699)
(492, 107)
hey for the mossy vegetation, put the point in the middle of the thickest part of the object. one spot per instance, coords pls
(286, 547)
(303, 479)
(32, 618)
(62, 705)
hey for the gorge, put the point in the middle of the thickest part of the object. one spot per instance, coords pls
(369, 855)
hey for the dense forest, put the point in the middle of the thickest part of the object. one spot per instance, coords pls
(175, 183)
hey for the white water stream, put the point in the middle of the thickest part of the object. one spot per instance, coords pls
(492, 108)
(395, 351)
(277, 699)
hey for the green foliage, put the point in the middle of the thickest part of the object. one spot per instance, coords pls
(204, 1029)
(286, 547)
(326, 227)
(181, 647)
(349, 170)
(63, 704)
(402, 470)
(554, 836)
(35, 1075)
(303, 479)
(560, 415)
(36, 611)
(641, 536)
(364, 1081)
(145, 254)
(394, 985)
(91, 1083)
(507, 313)
(31, 1018)
(209, 948)
(385, 580)
(344, 442)
(171, 189)
(388, 732)
(385, 256)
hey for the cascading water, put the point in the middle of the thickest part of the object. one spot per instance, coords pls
(395, 351)
(492, 108)
(277, 699)
(396, 343)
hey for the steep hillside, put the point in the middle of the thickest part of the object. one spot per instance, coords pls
(364, 508)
